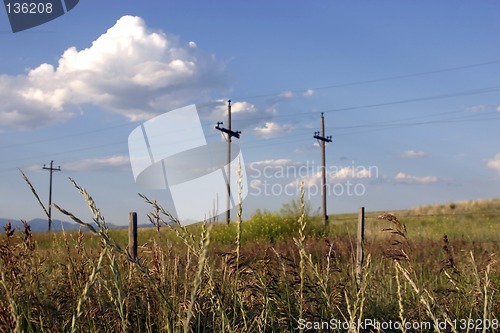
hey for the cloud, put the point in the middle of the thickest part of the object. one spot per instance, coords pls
(257, 118)
(290, 94)
(112, 163)
(413, 154)
(286, 94)
(129, 70)
(498, 108)
(308, 93)
(272, 129)
(494, 163)
(401, 177)
(333, 175)
(244, 115)
(477, 108)
(311, 181)
(220, 110)
(256, 183)
(278, 163)
(306, 148)
(351, 172)
(238, 107)
(277, 169)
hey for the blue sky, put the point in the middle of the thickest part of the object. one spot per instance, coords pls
(410, 93)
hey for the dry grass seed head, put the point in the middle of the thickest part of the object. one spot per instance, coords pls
(448, 264)
(9, 231)
(28, 236)
(398, 240)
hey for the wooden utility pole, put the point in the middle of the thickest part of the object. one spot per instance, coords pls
(132, 234)
(360, 247)
(230, 134)
(228, 166)
(322, 140)
(51, 170)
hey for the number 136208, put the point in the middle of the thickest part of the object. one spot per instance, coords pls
(29, 8)
(476, 324)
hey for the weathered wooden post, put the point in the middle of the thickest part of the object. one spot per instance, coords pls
(132, 234)
(360, 247)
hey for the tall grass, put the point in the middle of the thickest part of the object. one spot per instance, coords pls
(295, 275)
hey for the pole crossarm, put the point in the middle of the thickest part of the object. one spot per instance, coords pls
(318, 137)
(228, 131)
(51, 168)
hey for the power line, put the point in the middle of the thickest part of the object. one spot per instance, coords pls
(255, 143)
(375, 105)
(449, 95)
(389, 78)
(400, 125)
(421, 99)
(362, 82)
(72, 135)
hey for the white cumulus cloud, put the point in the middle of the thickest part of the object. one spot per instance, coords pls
(413, 154)
(477, 108)
(333, 175)
(286, 94)
(255, 183)
(311, 181)
(277, 163)
(238, 107)
(351, 172)
(130, 70)
(306, 148)
(402, 177)
(277, 169)
(494, 163)
(242, 112)
(272, 129)
(111, 163)
(308, 92)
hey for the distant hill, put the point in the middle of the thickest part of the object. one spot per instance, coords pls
(460, 207)
(41, 225)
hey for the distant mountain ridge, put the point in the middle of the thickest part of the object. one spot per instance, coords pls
(42, 225)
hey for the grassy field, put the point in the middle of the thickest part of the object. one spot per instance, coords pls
(427, 269)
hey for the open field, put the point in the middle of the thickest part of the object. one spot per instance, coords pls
(277, 272)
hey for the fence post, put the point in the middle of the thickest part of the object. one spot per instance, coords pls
(132, 234)
(360, 253)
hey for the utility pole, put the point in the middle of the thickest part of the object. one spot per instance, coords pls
(51, 169)
(322, 140)
(230, 134)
